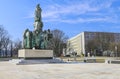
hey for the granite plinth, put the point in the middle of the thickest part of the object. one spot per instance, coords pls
(35, 54)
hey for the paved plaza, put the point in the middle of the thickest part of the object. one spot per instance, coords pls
(59, 71)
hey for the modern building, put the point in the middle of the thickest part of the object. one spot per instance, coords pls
(79, 43)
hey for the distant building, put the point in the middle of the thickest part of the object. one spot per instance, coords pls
(79, 43)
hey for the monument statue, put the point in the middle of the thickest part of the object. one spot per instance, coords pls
(37, 38)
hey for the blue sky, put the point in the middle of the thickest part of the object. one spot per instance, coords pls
(70, 16)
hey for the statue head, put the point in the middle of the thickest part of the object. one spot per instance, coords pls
(38, 6)
(48, 30)
(26, 30)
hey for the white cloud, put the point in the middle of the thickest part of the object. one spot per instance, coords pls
(57, 10)
(116, 27)
(64, 12)
(83, 20)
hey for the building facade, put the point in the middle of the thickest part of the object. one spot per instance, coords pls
(84, 42)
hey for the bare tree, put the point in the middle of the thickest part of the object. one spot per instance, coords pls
(11, 49)
(58, 41)
(6, 43)
(3, 35)
(101, 42)
(17, 45)
(112, 48)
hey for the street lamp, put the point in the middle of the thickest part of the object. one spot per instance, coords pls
(116, 50)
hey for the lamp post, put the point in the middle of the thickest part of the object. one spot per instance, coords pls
(95, 52)
(116, 50)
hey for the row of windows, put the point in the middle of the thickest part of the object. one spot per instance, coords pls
(90, 36)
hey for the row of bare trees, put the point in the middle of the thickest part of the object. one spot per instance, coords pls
(102, 42)
(8, 48)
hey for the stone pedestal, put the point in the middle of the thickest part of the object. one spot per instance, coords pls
(31, 54)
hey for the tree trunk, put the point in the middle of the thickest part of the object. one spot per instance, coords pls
(11, 53)
(6, 52)
(0, 52)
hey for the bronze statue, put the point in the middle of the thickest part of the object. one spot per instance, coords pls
(37, 39)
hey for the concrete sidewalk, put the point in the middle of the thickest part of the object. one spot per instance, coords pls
(59, 71)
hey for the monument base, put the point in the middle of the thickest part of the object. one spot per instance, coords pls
(35, 54)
